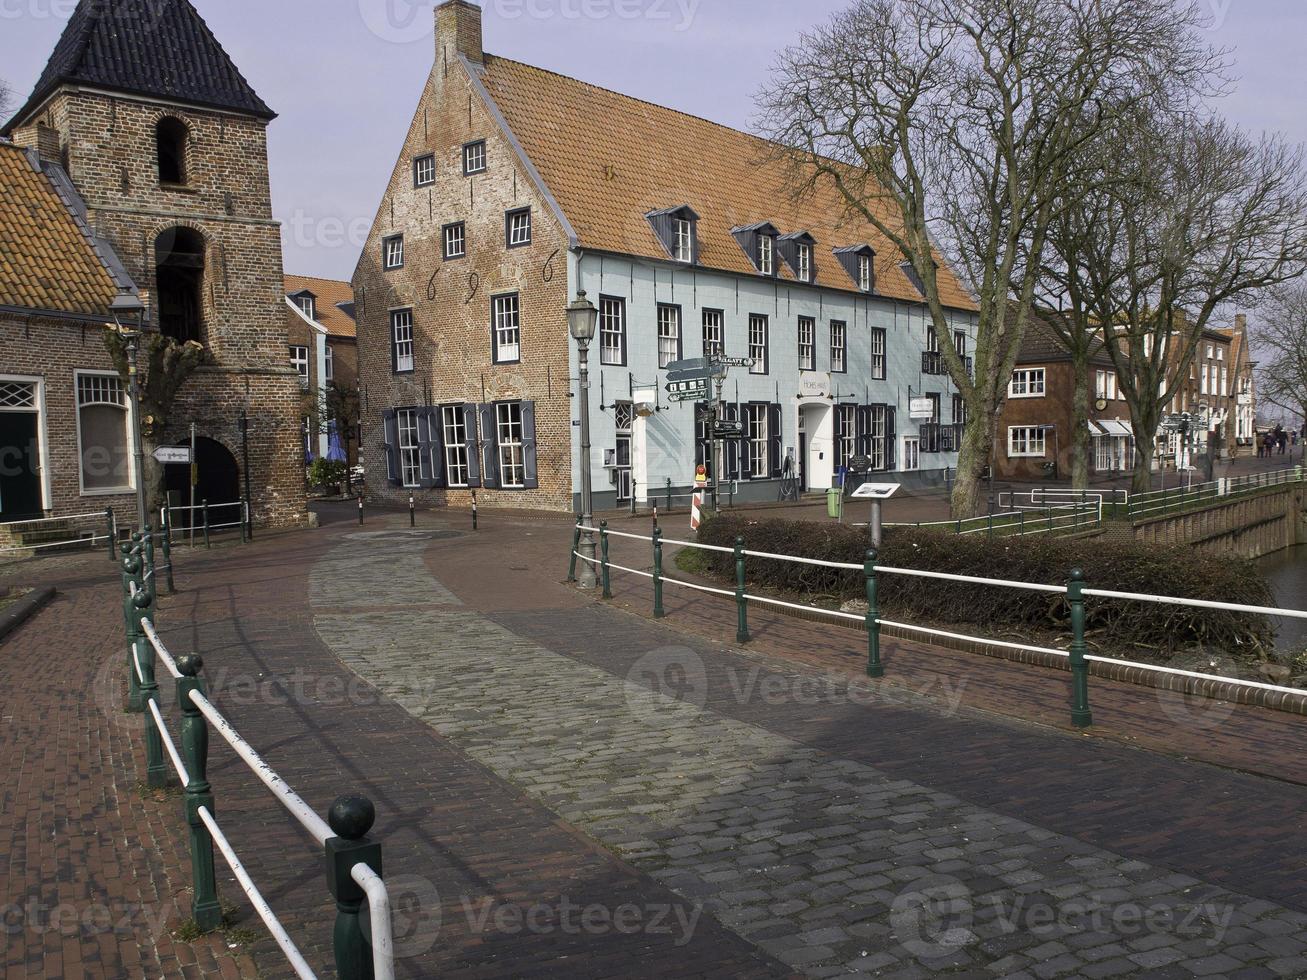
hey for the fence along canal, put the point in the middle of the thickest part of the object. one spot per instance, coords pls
(363, 951)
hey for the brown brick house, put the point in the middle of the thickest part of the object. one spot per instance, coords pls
(323, 345)
(164, 144)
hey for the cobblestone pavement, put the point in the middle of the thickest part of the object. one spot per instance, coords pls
(834, 866)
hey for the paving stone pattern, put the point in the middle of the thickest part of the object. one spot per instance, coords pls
(828, 864)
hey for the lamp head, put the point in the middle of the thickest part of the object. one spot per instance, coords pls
(582, 318)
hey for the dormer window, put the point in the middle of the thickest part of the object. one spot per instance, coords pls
(805, 263)
(307, 304)
(859, 262)
(797, 250)
(678, 230)
(766, 255)
(759, 244)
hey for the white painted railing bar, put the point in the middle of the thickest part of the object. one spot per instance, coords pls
(699, 588)
(383, 943)
(945, 576)
(817, 562)
(301, 811)
(616, 534)
(53, 520)
(837, 613)
(702, 547)
(168, 743)
(136, 662)
(620, 568)
(93, 539)
(1198, 603)
(974, 639)
(229, 503)
(1259, 685)
(270, 920)
(159, 648)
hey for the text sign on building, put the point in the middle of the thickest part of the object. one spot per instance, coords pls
(921, 408)
(812, 385)
(173, 454)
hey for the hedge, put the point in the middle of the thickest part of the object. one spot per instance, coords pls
(1121, 566)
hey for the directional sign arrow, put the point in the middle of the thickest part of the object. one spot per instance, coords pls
(172, 454)
(694, 364)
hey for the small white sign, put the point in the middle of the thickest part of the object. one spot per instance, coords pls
(921, 408)
(813, 385)
(172, 454)
(876, 491)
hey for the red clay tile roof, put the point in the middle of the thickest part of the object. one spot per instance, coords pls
(47, 262)
(610, 159)
(329, 292)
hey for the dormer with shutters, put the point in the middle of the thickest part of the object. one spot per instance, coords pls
(859, 262)
(759, 244)
(798, 249)
(678, 230)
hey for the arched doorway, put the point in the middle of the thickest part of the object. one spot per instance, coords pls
(218, 480)
(179, 284)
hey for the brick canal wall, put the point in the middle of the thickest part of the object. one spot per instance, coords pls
(1250, 527)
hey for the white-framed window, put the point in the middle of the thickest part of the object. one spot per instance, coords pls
(612, 330)
(911, 453)
(512, 458)
(714, 333)
(455, 240)
(1225, 381)
(410, 452)
(805, 263)
(960, 342)
(758, 343)
(424, 171)
(807, 344)
(102, 433)
(878, 443)
(766, 255)
(1025, 440)
(1105, 385)
(401, 332)
(684, 240)
(846, 434)
(1027, 383)
(18, 395)
(474, 158)
(453, 425)
(864, 273)
(307, 306)
(839, 338)
(331, 364)
(519, 228)
(1203, 376)
(506, 316)
(299, 359)
(392, 250)
(669, 334)
(878, 353)
(759, 440)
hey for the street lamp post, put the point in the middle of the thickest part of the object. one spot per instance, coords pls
(129, 304)
(582, 317)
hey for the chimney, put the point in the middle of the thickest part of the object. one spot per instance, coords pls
(458, 31)
(1241, 322)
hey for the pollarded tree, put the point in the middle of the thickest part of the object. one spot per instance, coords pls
(959, 122)
(1280, 344)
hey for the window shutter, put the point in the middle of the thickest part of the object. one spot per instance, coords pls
(473, 446)
(437, 435)
(732, 446)
(891, 437)
(774, 431)
(425, 479)
(745, 469)
(864, 430)
(489, 447)
(694, 241)
(531, 478)
(390, 427)
(394, 347)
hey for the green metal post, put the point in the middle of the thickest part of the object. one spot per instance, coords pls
(959, 525)
(991, 526)
(156, 774)
(1050, 519)
(108, 533)
(576, 546)
(165, 541)
(205, 506)
(245, 526)
(1080, 714)
(1023, 522)
(874, 667)
(669, 495)
(741, 603)
(658, 610)
(132, 566)
(151, 569)
(351, 817)
(205, 909)
(603, 552)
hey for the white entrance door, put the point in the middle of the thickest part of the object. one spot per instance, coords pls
(818, 435)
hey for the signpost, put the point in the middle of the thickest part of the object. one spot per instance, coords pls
(693, 390)
(169, 455)
(877, 493)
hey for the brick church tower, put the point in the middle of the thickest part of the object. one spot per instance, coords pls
(166, 143)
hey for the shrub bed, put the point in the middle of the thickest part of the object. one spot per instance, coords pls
(1122, 566)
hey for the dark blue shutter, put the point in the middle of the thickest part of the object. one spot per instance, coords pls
(436, 428)
(390, 428)
(530, 477)
(774, 431)
(473, 444)
(732, 446)
(745, 467)
(489, 447)
(426, 481)
(864, 430)
(891, 437)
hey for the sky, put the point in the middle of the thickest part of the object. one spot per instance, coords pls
(345, 76)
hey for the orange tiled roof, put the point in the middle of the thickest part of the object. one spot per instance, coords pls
(329, 292)
(610, 159)
(46, 260)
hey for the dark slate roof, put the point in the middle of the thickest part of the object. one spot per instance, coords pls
(160, 48)
(1042, 343)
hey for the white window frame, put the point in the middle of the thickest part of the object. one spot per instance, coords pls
(839, 350)
(453, 428)
(759, 342)
(299, 360)
(506, 322)
(805, 263)
(392, 248)
(408, 450)
(509, 445)
(807, 343)
(454, 235)
(759, 437)
(879, 344)
(714, 333)
(401, 338)
(43, 448)
(330, 370)
(612, 330)
(475, 158)
(424, 171)
(1026, 442)
(308, 306)
(1028, 383)
(864, 273)
(911, 453)
(1105, 385)
(128, 428)
(519, 228)
(669, 334)
(684, 239)
(846, 434)
(766, 255)
(879, 443)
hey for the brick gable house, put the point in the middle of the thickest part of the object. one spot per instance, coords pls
(515, 189)
(164, 144)
(323, 345)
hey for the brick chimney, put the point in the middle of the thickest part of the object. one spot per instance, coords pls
(458, 31)
(1241, 322)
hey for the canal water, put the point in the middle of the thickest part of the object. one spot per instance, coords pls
(1287, 572)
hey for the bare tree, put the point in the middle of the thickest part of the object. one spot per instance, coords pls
(6, 98)
(1280, 344)
(958, 121)
(1195, 216)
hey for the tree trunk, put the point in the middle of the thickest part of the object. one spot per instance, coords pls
(1142, 480)
(1080, 443)
(969, 490)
